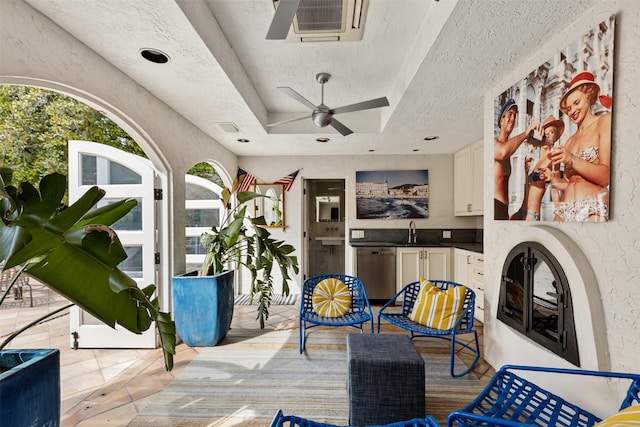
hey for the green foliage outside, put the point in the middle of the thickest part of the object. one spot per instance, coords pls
(206, 171)
(35, 125)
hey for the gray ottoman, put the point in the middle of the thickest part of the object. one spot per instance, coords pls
(385, 379)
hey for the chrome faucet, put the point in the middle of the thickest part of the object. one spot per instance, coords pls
(412, 232)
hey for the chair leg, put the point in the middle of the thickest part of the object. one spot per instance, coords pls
(475, 350)
(302, 332)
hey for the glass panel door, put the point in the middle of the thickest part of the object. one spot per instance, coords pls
(121, 175)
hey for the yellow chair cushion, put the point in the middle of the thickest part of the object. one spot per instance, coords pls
(626, 417)
(331, 298)
(436, 308)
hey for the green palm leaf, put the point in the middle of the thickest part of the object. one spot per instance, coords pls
(74, 252)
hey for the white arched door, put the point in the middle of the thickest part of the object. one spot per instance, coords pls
(121, 175)
(203, 209)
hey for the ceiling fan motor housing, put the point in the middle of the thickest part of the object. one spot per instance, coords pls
(321, 116)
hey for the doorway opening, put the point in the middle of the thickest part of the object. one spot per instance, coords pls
(324, 226)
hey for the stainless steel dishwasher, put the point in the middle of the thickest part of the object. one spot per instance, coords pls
(376, 267)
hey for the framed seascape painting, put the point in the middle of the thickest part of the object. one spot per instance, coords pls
(392, 194)
(552, 136)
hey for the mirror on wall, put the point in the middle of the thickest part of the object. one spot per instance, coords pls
(328, 195)
(271, 206)
(328, 208)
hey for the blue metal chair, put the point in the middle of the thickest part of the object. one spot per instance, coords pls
(464, 325)
(512, 401)
(281, 420)
(359, 313)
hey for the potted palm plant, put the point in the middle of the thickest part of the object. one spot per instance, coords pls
(203, 301)
(74, 252)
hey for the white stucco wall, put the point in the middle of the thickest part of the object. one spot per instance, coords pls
(611, 249)
(36, 52)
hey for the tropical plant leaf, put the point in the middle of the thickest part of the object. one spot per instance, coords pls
(251, 247)
(77, 256)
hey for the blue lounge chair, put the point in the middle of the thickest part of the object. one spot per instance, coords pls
(512, 401)
(281, 420)
(358, 314)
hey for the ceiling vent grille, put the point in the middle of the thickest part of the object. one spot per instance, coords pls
(320, 15)
(328, 20)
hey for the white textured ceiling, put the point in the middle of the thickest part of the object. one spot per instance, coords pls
(434, 60)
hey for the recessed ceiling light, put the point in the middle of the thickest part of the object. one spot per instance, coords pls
(243, 140)
(154, 55)
(431, 138)
(323, 139)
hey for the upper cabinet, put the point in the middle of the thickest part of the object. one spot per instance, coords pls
(468, 180)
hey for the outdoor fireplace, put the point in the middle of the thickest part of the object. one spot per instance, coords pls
(535, 299)
(561, 322)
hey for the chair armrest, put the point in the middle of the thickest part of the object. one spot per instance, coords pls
(467, 418)
(633, 392)
(431, 422)
(390, 302)
(276, 419)
(569, 371)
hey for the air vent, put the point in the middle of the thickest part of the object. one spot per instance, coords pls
(328, 20)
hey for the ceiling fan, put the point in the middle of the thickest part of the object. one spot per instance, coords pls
(282, 19)
(322, 115)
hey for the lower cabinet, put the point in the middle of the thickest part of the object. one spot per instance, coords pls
(469, 271)
(412, 264)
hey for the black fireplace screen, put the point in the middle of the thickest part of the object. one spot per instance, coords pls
(536, 301)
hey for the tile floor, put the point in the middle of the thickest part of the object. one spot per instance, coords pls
(110, 386)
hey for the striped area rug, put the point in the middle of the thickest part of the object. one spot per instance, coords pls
(276, 300)
(252, 373)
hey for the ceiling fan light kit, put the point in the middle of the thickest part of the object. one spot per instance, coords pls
(322, 115)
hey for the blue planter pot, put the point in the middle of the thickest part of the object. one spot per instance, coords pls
(30, 389)
(203, 307)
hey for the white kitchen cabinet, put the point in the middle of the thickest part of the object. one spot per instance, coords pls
(468, 180)
(412, 264)
(469, 271)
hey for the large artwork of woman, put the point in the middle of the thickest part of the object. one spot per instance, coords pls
(552, 149)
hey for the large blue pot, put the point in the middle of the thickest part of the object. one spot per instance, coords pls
(30, 389)
(203, 307)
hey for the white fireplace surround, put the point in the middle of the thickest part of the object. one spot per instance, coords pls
(591, 333)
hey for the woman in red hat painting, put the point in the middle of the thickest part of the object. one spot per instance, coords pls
(586, 155)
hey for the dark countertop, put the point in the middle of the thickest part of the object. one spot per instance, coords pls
(469, 239)
(469, 246)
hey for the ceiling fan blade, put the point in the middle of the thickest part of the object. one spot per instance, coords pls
(288, 121)
(295, 95)
(282, 19)
(364, 105)
(340, 127)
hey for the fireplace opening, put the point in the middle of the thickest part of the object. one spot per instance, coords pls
(535, 300)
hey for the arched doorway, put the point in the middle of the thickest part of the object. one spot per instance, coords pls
(141, 264)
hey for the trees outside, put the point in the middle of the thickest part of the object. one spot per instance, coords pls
(35, 125)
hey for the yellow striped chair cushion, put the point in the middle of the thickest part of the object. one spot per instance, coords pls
(331, 298)
(626, 417)
(436, 308)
